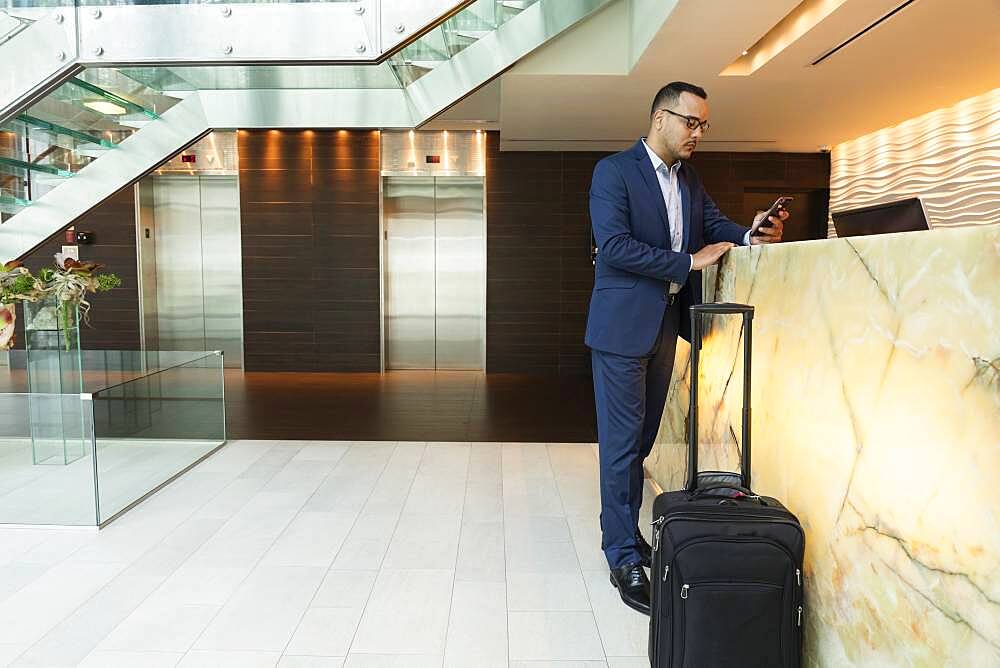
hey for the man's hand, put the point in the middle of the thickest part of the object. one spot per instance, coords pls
(769, 235)
(709, 255)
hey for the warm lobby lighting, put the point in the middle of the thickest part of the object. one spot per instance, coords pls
(105, 107)
(806, 16)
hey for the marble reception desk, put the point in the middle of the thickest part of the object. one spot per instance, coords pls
(876, 419)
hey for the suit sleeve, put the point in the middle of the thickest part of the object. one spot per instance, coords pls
(718, 227)
(610, 217)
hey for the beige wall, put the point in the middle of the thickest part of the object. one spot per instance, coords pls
(950, 158)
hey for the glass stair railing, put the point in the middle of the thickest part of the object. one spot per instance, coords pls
(75, 124)
(452, 36)
(71, 139)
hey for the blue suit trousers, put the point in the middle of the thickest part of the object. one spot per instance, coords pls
(630, 393)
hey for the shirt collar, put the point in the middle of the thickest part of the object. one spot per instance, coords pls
(657, 161)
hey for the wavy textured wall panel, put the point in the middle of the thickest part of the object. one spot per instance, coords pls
(949, 157)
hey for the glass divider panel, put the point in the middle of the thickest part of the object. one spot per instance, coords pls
(44, 494)
(149, 429)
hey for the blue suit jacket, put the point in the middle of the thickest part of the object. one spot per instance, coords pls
(634, 260)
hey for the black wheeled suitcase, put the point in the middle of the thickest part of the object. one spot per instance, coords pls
(726, 576)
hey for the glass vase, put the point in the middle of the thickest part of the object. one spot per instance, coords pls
(52, 342)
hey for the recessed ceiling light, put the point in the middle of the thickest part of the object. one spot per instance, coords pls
(803, 18)
(105, 107)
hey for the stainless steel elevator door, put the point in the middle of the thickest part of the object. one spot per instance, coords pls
(191, 264)
(435, 268)
(459, 264)
(179, 286)
(408, 215)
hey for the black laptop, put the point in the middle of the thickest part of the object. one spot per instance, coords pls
(905, 215)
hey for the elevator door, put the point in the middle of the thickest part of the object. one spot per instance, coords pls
(190, 263)
(434, 272)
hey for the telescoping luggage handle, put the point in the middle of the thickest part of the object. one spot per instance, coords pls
(696, 320)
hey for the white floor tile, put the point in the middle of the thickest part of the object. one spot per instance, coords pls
(229, 659)
(541, 557)
(325, 632)
(30, 613)
(580, 496)
(330, 451)
(628, 662)
(202, 585)
(160, 627)
(558, 664)
(407, 613)
(447, 460)
(586, 531)
(483, 502)
(16, 576)
(535, 529)
(311, 539)
(333, 554)
(345, 589)
(264, 611)
(477, 627)
(526, 460)
(116, 659)
(392, 661)
(424, 542)
(435, 495)
(531, 496)
(251, 531)
(367, 542)
(289, 661)
(76, 636)
(624, 631)
(484, 463)
(481, 552)
(9, 652)
(552, 636)
(547, 591)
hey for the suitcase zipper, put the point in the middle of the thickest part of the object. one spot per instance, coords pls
(735, 539)
(799, 623)
(656, 531)
(798, 577)
(686, 589)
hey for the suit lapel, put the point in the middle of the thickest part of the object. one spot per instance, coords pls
(685, 206)
(645, 167)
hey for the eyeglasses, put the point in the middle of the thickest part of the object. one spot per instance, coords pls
(692, 122)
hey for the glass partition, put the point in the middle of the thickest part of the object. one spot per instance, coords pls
(150, 428)
(39, 493)
(143, 418)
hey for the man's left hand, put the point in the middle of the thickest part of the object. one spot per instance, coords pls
(770, 235)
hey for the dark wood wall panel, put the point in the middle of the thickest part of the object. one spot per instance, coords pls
(114, 315)
(310, 205)
(539, 275)
(310, 202)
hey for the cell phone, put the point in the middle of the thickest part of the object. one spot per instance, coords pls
(774, 210)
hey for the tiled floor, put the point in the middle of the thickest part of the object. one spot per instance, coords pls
(302, 553)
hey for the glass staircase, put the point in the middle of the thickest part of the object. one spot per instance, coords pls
(78, 144)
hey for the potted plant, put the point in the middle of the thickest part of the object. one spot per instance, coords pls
(64, 294)
(16, 285)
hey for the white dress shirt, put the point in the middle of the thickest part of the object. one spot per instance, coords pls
(670, 188)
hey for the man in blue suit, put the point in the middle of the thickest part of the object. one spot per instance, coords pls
(656, 229)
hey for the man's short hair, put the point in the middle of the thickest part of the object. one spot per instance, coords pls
(668, 95)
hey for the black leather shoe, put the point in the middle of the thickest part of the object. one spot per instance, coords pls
(633, 586)
(645, 551)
